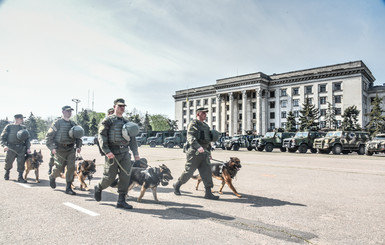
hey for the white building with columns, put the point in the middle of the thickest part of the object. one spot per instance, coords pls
(260, 102)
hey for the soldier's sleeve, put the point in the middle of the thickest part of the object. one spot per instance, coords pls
(134, 146)
(27, 142)
(51, 136)
(192, 133)
(103, 136)
(4, 136)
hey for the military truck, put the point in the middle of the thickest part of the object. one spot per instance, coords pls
(236, 142)
(155, 140)
(254, 143)
(220, 143)
(273, 140)
(302, 141)
(141, 139)
(376, 145)
(344, 142)
(179, 138)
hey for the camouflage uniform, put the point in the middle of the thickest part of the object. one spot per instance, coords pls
(16, 149)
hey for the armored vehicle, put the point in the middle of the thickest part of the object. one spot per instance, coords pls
(179, 138)
(141, 139)
(376, 145)
(155, 140)
(273, 140)
(220, 143)
(302, 141)
(236, 142)
(342, 142)
(254, 143)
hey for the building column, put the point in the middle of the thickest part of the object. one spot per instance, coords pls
(187, 112)
(277, 109)
(223, 116)
(244, 116)
(259, 112)
(231, 121)
(219, 114)
(210, 116)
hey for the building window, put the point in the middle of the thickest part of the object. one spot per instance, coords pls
(214, 118)
(322, 100)
(323, 112)
(283, 125)
(337, 111)
(184, 112)
(272, 126)
(239, 96)
(254, 105)
(228, 107)
(198, 102)
(337, 86)
(254, 115)
(296, 103)
(283, 103)
(191, 103)
(191, 112)
(309, 100)
(254, 95)
(205, 102)
(214, 127)
(337, 98)
(240, 116)
(272, 115)
(295, 91)
(272, 104)
(213, 109)
(283, 92)
(322, 124)
(227, 117)
(309, 89)
(322, 88)
(213, 101)
(254, 126)
(338, 123)
(272, 94)
(184, 104)
(184, 120)
(296, 114)
(240, 127)
(240, 107)
(283, 114)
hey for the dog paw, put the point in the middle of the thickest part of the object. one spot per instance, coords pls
(239, 195)
(139, 200)
(220, 192)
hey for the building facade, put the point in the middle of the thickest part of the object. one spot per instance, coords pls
(260, 102)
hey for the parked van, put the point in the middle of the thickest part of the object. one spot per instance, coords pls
(88, 140)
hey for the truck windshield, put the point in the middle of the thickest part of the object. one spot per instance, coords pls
(330, 134)
(301, 134)
(269, 135)
(379, 137)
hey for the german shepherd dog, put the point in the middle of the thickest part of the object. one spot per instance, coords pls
(149, 178)
(85, 169)
(224, 171)
(33, 162)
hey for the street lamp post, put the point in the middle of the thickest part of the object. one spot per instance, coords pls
(77, 101)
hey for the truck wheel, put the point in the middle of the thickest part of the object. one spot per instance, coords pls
(249, 148)
(228, 148)
(283, 149)
(236, 147)
(260, 148)
(337, 149)
(312, 150)
(361, 150)
(368, 153)
(139, 144)
(302, 148)
(269, 147)
(292, 150)
(152, 144)
(170, 145)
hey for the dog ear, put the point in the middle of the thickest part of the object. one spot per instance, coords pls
(231, 158)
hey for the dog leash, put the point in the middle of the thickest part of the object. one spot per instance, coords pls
(117, 162)
(217, 160)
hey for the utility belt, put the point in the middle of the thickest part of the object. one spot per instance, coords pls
(119, 147)
(65, 145)
(16, 145)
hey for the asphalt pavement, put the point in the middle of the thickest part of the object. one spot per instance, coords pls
(287, 199)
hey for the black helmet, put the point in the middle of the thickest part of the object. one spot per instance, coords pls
(76, 132)
(22, 135)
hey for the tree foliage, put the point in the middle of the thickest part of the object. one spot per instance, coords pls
(159, 122)
(3, 123)
(32, 126)
(350, 117)
(330, 117)
(291, 123)
(146, 123)
(376, 119)
(308, 116)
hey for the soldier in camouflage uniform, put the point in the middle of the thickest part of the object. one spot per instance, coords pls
(62, 146)
(117, 157)
(198, 154)
(15, 147)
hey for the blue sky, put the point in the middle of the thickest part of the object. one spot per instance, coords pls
(53, 51)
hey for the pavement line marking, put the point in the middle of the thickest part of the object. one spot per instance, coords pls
(24, 185)
(86, 211)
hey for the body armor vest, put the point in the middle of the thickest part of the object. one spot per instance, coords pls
(115, 136)
(12, 134)
(204, 133)
(62, 135)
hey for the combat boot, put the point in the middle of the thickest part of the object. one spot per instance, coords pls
(176, 186)
(122, 202)
(6, 175)
(20, 178)
(209, 195)
(52, 182)
(69, 189)
(98, 193)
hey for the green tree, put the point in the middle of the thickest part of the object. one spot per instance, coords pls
(84, 121)
(32, 126)
(376, 122)
(308, 116)
(350, 117)
(146, 123)
(159, 122)
(93, 126)
(291, 122)
(330, 117)
(3, 123)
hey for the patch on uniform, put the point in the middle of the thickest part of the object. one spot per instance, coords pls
(194, 128)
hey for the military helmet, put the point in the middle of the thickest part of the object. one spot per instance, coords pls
(214, 135)
(22, 135)
(130, 129)
(76, 132)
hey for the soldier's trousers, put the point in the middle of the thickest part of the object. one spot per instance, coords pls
(111, 169)
(17, 153)
(200, 162)
(62, 159)
(51, 162)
